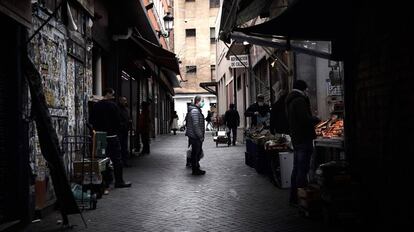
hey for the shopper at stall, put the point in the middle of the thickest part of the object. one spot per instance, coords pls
(144, 127)
(259, 109)
(126, 123)
(278, 119)
(232, 121)
(195, 132)
(107, 118)
(302, 132)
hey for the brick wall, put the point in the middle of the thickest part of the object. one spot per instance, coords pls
(380, 109)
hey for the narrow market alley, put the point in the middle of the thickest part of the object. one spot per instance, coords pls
(165, 196)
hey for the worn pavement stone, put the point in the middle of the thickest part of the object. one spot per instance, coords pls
(165, 196)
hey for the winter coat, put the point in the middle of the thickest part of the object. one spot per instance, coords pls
(106, 116)
(301, 121)
(232, 118)
(278, 118)
(195, 123)
(263, 111)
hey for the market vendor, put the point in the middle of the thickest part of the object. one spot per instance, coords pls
(258, 111)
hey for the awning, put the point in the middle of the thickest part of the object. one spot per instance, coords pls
(305, 47)
(307, 20)
(207, 86)
(302, 21)
(19, 10)
(237, 12)
(132, 13)
(158, 55)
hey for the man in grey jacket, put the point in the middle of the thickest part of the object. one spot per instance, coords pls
(195, 132)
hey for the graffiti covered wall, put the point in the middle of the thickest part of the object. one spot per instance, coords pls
(67, 81)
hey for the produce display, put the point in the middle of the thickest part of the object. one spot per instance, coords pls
(331, 128)
(270, 141)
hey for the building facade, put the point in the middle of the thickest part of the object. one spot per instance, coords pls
(195, 46)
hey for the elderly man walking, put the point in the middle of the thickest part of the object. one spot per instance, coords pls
(195, 132)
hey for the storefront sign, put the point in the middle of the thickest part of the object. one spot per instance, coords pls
(235, 61)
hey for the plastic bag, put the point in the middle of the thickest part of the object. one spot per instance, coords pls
(189, 150)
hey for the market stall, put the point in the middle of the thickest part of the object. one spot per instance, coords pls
(269, 154)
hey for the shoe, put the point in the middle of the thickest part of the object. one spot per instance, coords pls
(198, 172)
(106, 192)
(123, 185)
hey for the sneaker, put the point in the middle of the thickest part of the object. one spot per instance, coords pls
(198, 172)
(123, 185)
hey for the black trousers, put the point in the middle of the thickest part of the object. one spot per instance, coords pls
(196, 148)
(114, 152)
(145, 143)
(234, 131)
(123, 138)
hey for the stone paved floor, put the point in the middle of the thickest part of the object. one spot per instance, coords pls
(166, 197)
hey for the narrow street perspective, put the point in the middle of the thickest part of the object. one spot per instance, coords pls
(166, 197)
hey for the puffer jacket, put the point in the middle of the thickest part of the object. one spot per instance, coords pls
(194, 123)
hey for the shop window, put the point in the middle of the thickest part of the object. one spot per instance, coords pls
(190, 32)
(191, 69)
(214, 3)
(212, 35)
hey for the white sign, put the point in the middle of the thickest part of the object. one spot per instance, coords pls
(235, 63)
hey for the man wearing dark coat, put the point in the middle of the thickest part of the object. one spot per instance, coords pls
(257, 109)
(107, 118)
(278, 118)
(302, 132)
(232, 121)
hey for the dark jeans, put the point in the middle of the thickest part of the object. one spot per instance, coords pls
(301, 164)
(123, 137)
(234, 131)
(196, 148)
(145, 143)
(114, 152)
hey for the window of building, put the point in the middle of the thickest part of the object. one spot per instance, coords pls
(212, 35)
(213, 72)
(214, 3)
(191, 69)
(190, 32)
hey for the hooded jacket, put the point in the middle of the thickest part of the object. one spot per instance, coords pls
(301, 121)
(194, 123)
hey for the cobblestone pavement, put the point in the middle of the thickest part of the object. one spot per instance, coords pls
(166, 197)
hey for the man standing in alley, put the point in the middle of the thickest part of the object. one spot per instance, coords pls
(232, 121)
(107, 118)
(301, 127)
(195, 132)
(126, 124)
(259, 109)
